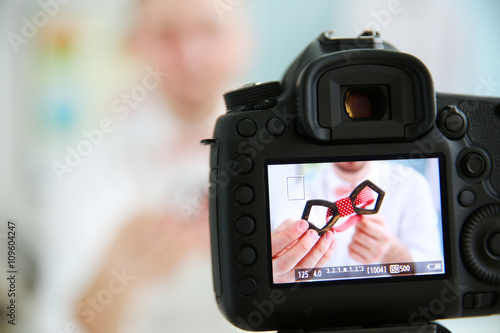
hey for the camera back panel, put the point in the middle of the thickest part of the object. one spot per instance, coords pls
(377, 113)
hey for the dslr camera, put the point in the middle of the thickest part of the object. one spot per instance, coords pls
(294, 246)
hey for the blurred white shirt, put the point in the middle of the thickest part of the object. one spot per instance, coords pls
(143, 164)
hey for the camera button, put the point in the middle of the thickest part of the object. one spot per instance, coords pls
(243, 195)
(473, 165)
(248, 286)
(246, 127)
(245, 225)
(242, 164)
(454, 122)
(246, 256)
(494, 244)
(467, 198)
(275, 126)
(478, 300)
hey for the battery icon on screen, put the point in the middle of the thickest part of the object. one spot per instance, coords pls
(434, 267)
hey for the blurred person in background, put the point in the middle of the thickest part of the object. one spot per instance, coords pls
(74, 224)
(148, 178)
(196, 52)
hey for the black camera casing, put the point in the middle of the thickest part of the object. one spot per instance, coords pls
(299, 120)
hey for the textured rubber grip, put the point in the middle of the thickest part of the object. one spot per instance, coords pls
(483, 129)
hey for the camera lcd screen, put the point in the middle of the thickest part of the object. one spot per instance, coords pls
(404, 237)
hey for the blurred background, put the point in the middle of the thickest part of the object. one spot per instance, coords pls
(65, 67)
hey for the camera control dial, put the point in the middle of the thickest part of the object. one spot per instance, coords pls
(480, 244)
(254, 96)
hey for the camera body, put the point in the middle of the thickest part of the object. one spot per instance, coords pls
(356, 100)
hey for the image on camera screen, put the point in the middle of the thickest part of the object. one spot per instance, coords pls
(402, 237)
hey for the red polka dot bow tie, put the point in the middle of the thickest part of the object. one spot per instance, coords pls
(357, 202)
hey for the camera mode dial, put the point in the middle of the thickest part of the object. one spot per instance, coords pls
(480, 244)
(254, 96)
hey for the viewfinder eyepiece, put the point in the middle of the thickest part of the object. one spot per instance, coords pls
(367, 102)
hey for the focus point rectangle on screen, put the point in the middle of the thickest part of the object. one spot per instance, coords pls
(295, 187)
